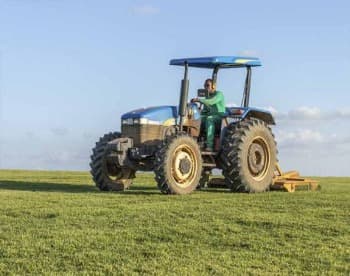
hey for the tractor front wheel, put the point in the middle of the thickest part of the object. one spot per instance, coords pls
(178, 165)
(106, 174)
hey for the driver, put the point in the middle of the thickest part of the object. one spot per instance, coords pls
(214, 108)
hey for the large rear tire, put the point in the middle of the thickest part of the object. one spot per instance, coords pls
(106, 175)
(249, 156)
(178, 165)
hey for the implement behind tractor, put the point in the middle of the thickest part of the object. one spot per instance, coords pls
(290, 181)
(171, 142)
(282, 181)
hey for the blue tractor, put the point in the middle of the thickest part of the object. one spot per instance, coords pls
(170, 141)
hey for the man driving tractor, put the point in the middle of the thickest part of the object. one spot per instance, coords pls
(211, 115)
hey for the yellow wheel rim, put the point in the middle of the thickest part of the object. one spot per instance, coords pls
(184, 165)
(258, 158)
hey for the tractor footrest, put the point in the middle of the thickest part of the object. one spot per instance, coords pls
(217, 183)
(209, 152)
(210, 165)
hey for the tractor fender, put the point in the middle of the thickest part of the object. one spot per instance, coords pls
(250, 112)
(247, 113)
(260, 114)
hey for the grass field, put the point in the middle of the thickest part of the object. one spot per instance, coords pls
(59, 223)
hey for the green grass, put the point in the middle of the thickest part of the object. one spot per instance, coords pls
(59, 223)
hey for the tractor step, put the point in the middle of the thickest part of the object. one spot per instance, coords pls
(209, 159)
(209, 152)
(211, 165)
(290, 181)
(217, 183)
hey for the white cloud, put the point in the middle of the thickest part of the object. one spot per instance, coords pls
(301, 137)
(341, 113)
(321, 143)
(305, 113)
(145, 10)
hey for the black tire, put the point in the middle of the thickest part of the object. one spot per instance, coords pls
(249, 156)
(108, 177)
(178, 165)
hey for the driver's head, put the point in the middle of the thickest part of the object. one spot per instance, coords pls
(209, 85)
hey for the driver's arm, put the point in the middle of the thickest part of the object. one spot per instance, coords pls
(214, 100)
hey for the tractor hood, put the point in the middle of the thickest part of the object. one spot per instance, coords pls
(159, 115)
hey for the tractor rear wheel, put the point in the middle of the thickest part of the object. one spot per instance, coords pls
(178, 165)
(106, 175)
(249, 156)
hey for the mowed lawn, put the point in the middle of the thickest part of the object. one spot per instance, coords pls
(59, 223)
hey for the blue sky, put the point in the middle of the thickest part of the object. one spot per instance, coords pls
(69, 69)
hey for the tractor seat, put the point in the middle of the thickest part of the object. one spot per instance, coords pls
(226, 114)
(224, 123)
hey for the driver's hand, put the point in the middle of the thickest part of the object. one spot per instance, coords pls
(194, 100)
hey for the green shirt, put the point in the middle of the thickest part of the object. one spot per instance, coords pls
(214, 104)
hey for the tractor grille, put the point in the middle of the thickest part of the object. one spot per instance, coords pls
(150, 134)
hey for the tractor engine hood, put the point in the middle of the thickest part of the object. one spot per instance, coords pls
(158, 115)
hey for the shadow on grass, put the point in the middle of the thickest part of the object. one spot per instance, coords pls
(46, 187)
(215, 190)
(84, 188)
(141, 192)
(69, 188)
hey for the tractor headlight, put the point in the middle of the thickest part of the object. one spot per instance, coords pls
(136, 121)
(143, 121)
(127, 121)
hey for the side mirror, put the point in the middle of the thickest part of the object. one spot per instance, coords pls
(202, 93)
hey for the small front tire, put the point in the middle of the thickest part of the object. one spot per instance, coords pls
(107, 176)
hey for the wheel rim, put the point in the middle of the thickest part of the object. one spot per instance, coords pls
(258, 158)
(184, 165)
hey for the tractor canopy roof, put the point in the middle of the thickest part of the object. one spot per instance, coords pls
(220, 61)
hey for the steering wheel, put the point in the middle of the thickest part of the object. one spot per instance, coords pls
(199, 104)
